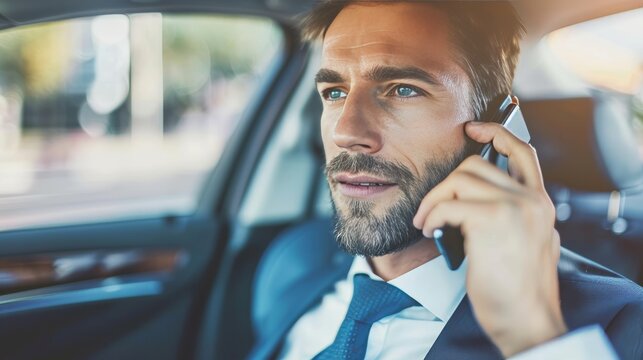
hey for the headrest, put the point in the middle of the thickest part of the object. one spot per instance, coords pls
(585, 144)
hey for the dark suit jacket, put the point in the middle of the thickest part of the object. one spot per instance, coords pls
(304, 264)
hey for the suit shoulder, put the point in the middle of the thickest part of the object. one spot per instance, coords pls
(591, 293)
(575, 269)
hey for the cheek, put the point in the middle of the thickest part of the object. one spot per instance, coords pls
(427, 133)
(430, 123)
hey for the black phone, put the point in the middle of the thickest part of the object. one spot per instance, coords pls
(449, 239)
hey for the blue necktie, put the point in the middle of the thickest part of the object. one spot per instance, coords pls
(372, 300)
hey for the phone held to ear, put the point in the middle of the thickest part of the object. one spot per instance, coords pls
(449, 239)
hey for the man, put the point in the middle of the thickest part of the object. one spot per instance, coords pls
(400, 82)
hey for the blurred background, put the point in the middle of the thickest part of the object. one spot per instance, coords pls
(606, 54)
(116, 116)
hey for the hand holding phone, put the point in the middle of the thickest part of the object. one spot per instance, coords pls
(448, 239)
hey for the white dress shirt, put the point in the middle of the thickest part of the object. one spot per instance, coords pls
(411, 333)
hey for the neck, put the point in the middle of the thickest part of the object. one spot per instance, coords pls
(390, 266)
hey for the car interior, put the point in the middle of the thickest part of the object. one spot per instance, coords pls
(192, 284)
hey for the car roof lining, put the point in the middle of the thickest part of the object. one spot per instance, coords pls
(544, 16)
(24, 12)
(540, 17)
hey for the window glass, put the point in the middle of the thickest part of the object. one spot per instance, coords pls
(121, 116)
(606, 53)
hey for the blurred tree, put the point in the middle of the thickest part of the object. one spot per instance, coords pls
(220, 49)
(37, 57)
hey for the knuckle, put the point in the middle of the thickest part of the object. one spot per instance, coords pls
(472, 160)
(550, 210)
(529, 149)
(460, 177)
(538, 208)
(456, 177)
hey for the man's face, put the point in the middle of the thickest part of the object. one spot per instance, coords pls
(395, 102)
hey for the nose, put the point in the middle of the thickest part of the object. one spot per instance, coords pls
(356, 129)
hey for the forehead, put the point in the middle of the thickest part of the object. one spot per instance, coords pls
(407, 34)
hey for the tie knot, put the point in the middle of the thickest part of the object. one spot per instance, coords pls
(373, 300)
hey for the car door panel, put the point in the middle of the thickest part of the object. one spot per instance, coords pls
(73, 290)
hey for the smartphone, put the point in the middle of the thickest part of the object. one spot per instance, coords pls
(449, 239)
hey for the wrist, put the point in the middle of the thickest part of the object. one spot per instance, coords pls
(531, 331)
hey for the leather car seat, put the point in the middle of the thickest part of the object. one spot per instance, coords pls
(594, 174)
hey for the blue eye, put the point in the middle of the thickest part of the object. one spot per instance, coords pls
(405, 91)
(333, 94)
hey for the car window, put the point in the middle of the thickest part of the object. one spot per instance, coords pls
(117, 116)
(606, 53)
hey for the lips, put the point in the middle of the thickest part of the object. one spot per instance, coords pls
(362, 186)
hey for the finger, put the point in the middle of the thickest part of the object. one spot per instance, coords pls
(477, 165)
(462, 185)
(457, 213)
(522, 156)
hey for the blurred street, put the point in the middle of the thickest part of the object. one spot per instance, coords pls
(113, 178)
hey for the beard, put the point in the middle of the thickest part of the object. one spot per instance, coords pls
(358, 230)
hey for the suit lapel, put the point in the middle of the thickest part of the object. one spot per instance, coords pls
(309, 292)
(462, 338)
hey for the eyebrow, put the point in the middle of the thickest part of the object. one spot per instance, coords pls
(328, 76)
(381, 74)
(388, 73)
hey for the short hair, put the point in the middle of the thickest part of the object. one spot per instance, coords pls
(486, 34)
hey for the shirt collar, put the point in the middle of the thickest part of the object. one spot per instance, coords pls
(432, 284)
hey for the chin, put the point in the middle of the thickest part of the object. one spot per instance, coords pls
(366, 228)
(361, 208)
